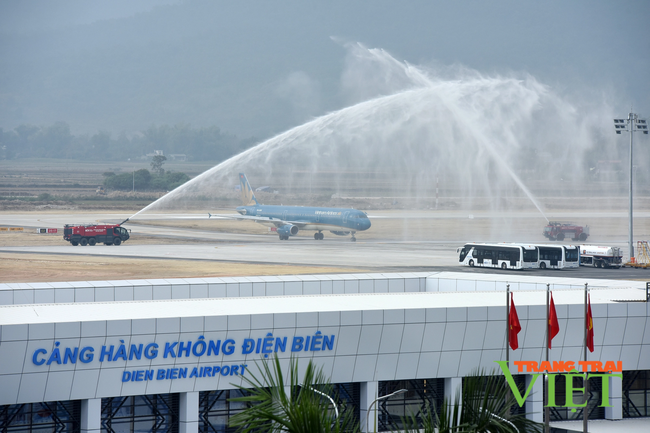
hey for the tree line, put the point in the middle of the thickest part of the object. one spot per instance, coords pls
(57, 141)
(144, 180)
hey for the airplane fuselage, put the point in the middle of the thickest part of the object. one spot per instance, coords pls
(309, 218)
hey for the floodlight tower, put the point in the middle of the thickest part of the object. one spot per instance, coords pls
(632, 124)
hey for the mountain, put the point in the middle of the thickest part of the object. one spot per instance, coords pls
(256, 68)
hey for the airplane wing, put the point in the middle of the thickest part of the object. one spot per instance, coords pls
(258, 219)
(228, 216)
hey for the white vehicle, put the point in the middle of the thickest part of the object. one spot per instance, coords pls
(504, 256)
(600, 257)
(558, 256)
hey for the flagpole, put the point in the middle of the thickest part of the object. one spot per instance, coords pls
(585, 411)
(508, 325)
(508, 342)
(547, 412)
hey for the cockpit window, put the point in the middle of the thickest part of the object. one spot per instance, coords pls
(363, 215)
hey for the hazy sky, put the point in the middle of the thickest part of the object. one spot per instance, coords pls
(35, 15)
(258, 67)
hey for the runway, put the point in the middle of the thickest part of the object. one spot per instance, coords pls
(374, 251)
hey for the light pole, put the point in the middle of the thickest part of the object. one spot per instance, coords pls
(493, 415)
(399, 391)
(336, 410)
(632, 124)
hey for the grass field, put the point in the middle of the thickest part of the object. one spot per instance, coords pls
(69, 184)
(74, 179)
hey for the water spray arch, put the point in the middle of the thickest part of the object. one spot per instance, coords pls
(476, 133)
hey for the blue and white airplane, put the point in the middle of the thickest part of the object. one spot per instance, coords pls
(288, 220)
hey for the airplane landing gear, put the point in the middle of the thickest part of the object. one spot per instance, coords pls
(319, 236)
(353, 239)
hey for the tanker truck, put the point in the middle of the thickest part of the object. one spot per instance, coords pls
(600, 257)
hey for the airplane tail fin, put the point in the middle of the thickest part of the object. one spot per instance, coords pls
(247, 196)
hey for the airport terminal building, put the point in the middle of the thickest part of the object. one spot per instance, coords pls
(166, 355)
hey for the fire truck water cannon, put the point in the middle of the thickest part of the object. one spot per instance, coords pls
(92, 234)
(559, 231)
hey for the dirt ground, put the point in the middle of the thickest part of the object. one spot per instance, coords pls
(31, 268)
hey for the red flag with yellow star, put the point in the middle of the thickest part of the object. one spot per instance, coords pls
(514, 326)
(553, 325)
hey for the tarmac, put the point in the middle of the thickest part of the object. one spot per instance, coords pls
(374, 250)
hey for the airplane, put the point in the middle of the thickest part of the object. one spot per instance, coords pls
(289, 220)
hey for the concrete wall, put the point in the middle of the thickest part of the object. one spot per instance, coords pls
(293, 285)
(195, 288)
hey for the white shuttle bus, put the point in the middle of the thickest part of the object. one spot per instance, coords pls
(504, 256)
(558, 256)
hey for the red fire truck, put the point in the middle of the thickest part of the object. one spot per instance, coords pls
(558, 231)
(91, 234)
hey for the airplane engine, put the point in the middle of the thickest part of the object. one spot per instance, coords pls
(288, 230)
